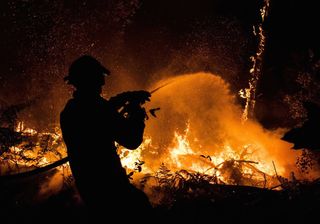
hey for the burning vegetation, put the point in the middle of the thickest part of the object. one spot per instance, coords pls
(197, 140)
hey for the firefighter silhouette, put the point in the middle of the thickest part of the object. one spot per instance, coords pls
(90, 126)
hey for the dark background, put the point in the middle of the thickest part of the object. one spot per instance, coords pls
(143, 41)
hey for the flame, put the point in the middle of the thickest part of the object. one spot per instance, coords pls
(183, 156)
(196, 163)
(37, 149)
(25, 130)
(130, 158)
(182, 148)
(232, 145)
(198, 129)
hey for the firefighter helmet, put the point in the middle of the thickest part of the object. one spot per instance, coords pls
(85, 69)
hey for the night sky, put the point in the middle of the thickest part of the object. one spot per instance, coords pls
(143, 41)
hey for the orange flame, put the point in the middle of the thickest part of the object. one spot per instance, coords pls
(198, 129)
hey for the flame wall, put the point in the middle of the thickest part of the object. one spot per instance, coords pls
(204, 102)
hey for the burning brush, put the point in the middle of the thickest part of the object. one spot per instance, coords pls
(23, 148)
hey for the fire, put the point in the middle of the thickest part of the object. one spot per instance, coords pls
(33, 149)
(250, 93)
(247, 161)
(182, 148)
(198, 130)
(25, 130)
(182, 156)
(129, 158)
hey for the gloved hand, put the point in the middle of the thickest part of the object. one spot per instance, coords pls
(132, 97)
(136, 113)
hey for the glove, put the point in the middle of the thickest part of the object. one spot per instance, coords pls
(139, 97)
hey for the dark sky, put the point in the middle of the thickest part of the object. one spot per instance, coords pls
(291, 63)
(141, 41)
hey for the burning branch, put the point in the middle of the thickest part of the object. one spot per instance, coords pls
(250, 93)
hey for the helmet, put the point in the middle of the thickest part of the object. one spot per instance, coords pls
(85, 69)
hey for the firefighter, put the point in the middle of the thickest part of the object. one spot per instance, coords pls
(90, 127)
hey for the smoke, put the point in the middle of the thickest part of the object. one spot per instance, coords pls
(204, 103)
(41, 40)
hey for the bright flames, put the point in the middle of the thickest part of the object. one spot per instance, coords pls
(182, 156)
(198, 129)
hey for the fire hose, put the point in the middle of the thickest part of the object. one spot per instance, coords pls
(35, 171)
